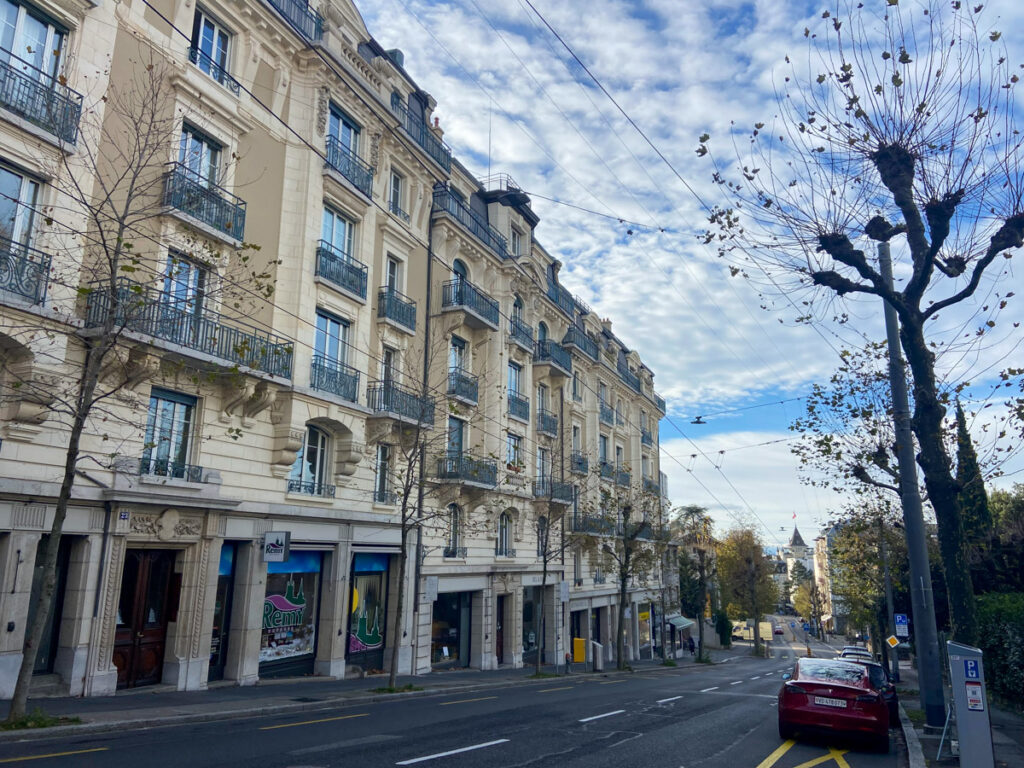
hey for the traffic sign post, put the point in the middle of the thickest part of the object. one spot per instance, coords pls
(902, 625)
(967, 678)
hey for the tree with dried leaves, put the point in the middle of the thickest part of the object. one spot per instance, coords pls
(745, 576)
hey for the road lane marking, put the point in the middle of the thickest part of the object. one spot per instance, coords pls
(53, 754)
(773, 758)
(312, 722)
(611, 682)
(563, 688)
(662, 701)
(451, 752)
(758, 677)
(833, 754)
(467, 701)
(338, 745)
(735, 682)
(705, 690)
(606, 714)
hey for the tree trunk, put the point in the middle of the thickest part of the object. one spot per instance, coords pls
(938, 479)
(396, 629)
(620, 634)
(702, 573)
(543, 590)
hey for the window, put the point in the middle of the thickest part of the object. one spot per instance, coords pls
(454, 530)
(456, 433)
(517, 310)
(338, 232)
(515, 374)
(643, 420)
(618, 413)
(514, 451)
(542, 536)
(577, 568)
(393, 273)
(28, 42)
(645, 467)
(18, 195)
(542, 332)
(459, 271)
(618, 456)
(504, 524)
(184, 282)
(395, 194)
(576, 438)
(542, 397)
(169, 435)
(331, 341)
(516, 242)
(577, 387)
(387, 365)
(602, 448)
(199, 155)
(602, 392)
(457, 354)
(543, 464)
(341, 128)
(309, 472)
(382, 485)
(210, 46)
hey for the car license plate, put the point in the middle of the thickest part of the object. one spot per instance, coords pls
(827, 702)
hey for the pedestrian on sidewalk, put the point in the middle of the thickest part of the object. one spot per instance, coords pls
(690, 644)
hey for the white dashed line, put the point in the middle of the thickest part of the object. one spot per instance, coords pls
(705, 690)
(598, 717)
(758, 677)
(451, 752)
(662, 701)
(736, 682)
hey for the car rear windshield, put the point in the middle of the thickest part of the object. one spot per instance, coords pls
(821, 669)
(877, 676)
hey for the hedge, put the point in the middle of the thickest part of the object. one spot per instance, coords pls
(1001, 633)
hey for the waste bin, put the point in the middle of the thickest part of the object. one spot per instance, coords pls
(598, 651)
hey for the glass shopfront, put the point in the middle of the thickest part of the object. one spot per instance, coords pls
(532, 607)
(368, 620)
(290, 612)
(644, 627)
(222, 611)
(450, 635)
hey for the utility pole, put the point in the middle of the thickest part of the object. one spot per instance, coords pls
(894, 657)
(926, 641)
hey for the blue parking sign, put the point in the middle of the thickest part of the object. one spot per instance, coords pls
(901, 618)
(807, 627)
(971, 671)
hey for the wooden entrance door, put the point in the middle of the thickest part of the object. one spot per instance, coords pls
(146, 604)
(499, 633)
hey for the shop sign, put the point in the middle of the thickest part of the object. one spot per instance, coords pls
(284, 610)
(645, 615)
(276, 546)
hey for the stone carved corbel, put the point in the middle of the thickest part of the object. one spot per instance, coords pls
(29, 399)
(287, 444)
(233, 396)
(263, 397)
(130, 371)
(347, 458)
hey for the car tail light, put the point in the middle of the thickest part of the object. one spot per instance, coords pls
(873, 697)
(794, 688)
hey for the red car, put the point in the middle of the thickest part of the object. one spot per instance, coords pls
(833, 695)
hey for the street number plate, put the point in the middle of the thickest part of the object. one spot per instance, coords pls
(827, 702)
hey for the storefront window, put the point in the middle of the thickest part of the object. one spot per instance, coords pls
(449, 639)
(368, 620)
(222, 611)
(290, 609)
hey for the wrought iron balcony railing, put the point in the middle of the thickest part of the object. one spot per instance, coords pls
(24, 271)
(467, 469)
(347, 163)
(216, 72)
(549, 351)
(308, 22)
(599, 525)
(472, 221)
(651, 487)
(607, 414)
(555, 490)
(339, 268)
(520, 333)
(607, 470)
(327, 375)
(311, 488)
(417, 128)
(462, 294)
(166, 317)
(463, 385)
(547, 423)
(40, 99)
(455, 552)
(577, 337)
(384, 496)
(518, 406)
(396, 209)
(210, 204)
(646, 438)
(660, 402)
(630, 378)
(394, 305)
(579, 463)
(504, 551)
(562, 298)
(600, 578)
(388, 397)
(622, 477)
(172, 469)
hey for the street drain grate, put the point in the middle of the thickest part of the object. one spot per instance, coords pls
(306, 699)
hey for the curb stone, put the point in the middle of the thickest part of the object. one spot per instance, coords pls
(915, 753)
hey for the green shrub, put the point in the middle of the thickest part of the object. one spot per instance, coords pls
(1001, 633)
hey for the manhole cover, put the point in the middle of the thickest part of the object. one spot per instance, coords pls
(306, 699)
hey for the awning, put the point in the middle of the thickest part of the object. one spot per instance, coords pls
(680, 622)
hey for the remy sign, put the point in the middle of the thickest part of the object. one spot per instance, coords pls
(967, 678)
(276, 545)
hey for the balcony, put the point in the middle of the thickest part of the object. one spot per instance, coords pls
(599, 579)
(622, 477)
(328, 375)
(577, 337)
(463, 386)
(385, 497)
(396, 307)
(519, 407)
(307, 22)
(547, 423)
(24, 271)
(607, 470)
(158, 314)
(651, 487)
(563, 298)
(455, 552)
(343, 160)
(579, 463)
(171, 469)
(553, 490)
(216, 72)
(660, 402)
(500, 551)
(520, 333)
(392, 401)
(396, 210)
(463, 468)
(630, 378)
(607, 414)
(481, 310)
(554, 356)
(598, 525)
(40, 99)
(417, 128)
(645, 437)
(473, 222)
(341, 270)
(311, 488)
(213, 206)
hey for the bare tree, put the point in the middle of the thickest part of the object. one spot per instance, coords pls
(899, 128)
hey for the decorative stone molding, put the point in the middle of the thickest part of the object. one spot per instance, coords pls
(248, 398)
(28, 516)
(287, 444)
(199, 609)
(347, 457)
(166, 526)
(111, 592)
(30, 399)
(322, 108)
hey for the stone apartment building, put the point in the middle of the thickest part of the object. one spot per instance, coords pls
(312, 279)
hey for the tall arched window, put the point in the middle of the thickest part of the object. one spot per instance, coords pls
(542, 332)
(504, 524)
(309, 472)
(459, 271)
(454, 531)
(517, 310)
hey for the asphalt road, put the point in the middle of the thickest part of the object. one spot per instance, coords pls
(720, 716)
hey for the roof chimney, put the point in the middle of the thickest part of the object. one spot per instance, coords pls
(396, 55)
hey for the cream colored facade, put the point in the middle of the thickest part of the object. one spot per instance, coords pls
(237, 413)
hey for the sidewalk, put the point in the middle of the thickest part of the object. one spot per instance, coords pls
(145, 707)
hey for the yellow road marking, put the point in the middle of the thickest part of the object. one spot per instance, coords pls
(773, 758)
(467, 701)
(548, 690)
(312, 722)
(833, 754)
(53, 754)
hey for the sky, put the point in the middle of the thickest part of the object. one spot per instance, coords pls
(625, 217)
